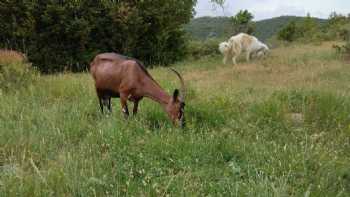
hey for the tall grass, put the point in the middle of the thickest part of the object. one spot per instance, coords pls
(15, 71)
(276, 127)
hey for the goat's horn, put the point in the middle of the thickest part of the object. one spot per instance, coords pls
(182, 90)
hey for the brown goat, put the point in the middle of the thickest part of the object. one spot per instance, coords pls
(119, 76)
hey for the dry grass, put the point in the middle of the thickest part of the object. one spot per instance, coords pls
(10, 56)
(287, 67)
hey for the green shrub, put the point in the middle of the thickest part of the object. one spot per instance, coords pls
(289, 32)
(197, 49)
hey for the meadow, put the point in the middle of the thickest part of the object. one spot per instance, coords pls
(273, 127)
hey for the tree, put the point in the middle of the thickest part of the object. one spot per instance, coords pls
(62, 35)
(16, 23)
(338, 26)
(288, 33)
(308, 27)
(219, 2)
(243, 22)
(337, 19)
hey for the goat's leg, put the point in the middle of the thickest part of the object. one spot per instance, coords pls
(134, 111)
(101, 104)
(248, 56)
(234, 60)
(124, 105)
(225, 59)
(109, 105)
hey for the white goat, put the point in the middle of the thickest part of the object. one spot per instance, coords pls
(242, 43)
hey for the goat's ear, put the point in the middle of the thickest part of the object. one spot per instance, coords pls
(175, 94)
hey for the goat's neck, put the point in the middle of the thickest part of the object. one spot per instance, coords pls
(156, 93)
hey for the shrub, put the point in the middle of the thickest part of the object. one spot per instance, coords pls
(15, 72)
(343, 50)
(197, 49)
(288, 33)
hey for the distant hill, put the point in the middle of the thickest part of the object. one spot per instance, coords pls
(221, 27)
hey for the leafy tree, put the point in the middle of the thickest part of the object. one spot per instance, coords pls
(62, 35)
(288, 33)
(307, 30)
(16, 23)
(308, 27)
(243, 22)
(338, 26)
(337, 19)
(220, 2)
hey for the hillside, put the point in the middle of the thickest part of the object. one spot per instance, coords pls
(204, 27)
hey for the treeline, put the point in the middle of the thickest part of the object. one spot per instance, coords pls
(223, 27)
(337, 27)
(66, 34)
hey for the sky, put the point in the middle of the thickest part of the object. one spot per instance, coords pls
(263, 9)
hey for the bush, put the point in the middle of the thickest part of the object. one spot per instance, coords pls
(343, 50)
(67, 35)
(198, 49)
(305, 30)
(15, 72)
(288, 33)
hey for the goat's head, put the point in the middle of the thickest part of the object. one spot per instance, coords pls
(176, 105)
(263, 51)
(224, 47)
(266, 49)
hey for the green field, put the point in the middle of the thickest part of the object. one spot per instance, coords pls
(274, 127)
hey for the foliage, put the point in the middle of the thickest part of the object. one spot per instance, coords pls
(219, 2)
(338, 26)
(308, 30)
(288, 33)
(243, 22)
(199, 49)
(15, 72)
(204, 27)
(60, 35)
(343, 50)
(201, 28)
(308, 27)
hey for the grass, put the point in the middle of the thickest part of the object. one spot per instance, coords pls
(274, 127)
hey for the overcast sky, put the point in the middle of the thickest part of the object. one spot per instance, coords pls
(263, 9)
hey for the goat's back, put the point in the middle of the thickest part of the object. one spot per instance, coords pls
(114, 72)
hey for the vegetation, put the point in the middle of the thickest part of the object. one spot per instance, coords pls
(206, 27)
(289, 32)
(221, 27)
(59, 35)
(277, 127)
(15, 72)
(199, 49)
(307, 30)
(243, 22)
(338, 26)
